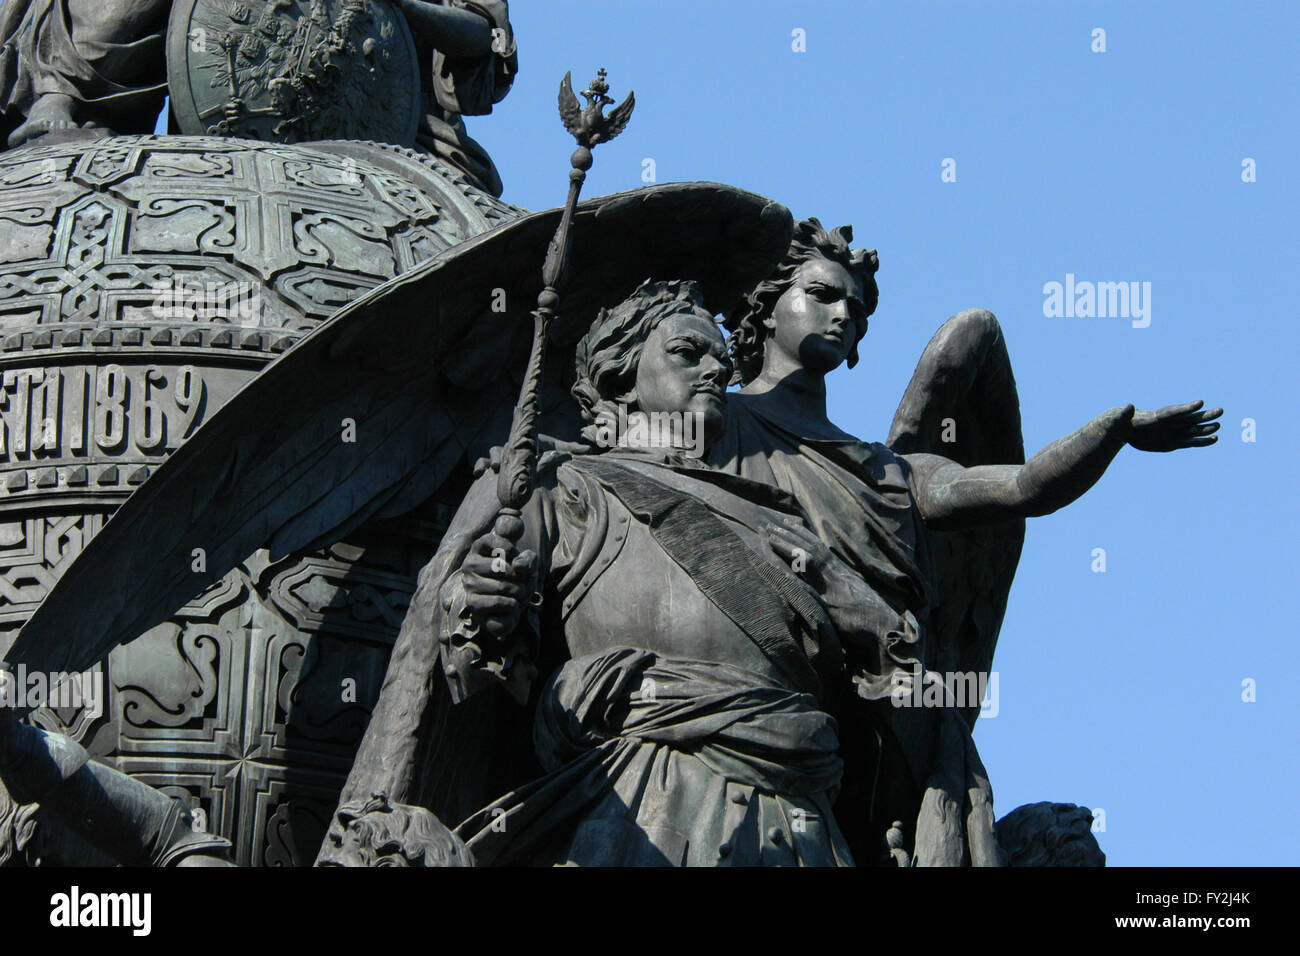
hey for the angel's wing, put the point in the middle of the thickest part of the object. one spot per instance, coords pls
(963, 385)
(380, 406)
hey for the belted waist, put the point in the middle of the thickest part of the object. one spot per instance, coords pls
(735, 721)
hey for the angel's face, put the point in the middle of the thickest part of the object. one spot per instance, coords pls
(684, 369)
(819, 319)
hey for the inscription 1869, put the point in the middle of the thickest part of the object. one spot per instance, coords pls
(84, 411)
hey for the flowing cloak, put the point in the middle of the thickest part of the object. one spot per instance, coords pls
(686, 719)
(924, 771)
(77, 48)
(466, 86)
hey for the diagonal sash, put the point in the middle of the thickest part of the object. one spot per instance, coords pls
(764, 601)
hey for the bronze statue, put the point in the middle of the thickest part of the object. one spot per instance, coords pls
(644, 641)
(620, 653)
(72, 64)
(691, 722)
(288, 71)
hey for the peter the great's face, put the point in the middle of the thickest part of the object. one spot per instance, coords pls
(684, 368)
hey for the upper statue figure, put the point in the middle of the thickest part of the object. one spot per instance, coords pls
(396, 71)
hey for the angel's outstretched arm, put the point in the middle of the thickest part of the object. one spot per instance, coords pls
(953, 496)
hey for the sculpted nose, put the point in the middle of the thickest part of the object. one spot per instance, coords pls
(716, 369)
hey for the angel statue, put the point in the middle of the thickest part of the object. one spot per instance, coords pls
(932, 520)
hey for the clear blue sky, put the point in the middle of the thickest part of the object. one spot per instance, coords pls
(1119, 690)
(1122, 690)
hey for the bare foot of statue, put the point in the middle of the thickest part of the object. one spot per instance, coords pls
(51, 115)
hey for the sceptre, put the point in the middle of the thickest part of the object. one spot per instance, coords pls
(518, 476)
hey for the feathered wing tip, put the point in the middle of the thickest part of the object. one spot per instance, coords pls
(18, 823)
(964, 373)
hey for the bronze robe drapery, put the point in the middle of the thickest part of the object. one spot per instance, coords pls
(112, 65)
(731, 757)
(925, 771)
(466, 86)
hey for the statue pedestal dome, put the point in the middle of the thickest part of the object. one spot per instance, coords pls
(143, 281)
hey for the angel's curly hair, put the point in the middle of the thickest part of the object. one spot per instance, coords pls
(608, 355)
(810, 240)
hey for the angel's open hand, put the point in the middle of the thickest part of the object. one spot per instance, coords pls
(1174, 427)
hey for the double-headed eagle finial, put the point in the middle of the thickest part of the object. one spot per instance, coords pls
(589, 125)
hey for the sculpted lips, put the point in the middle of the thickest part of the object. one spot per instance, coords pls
(709, 388)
